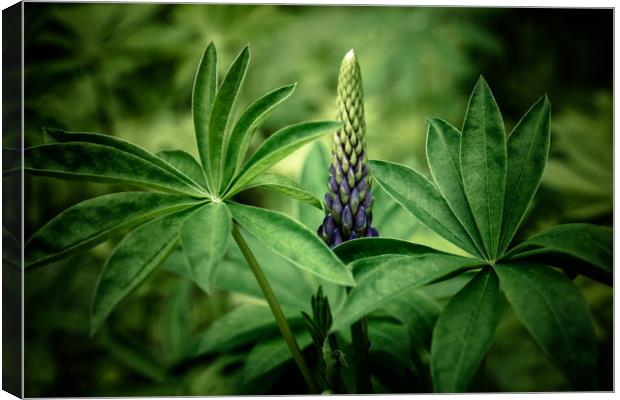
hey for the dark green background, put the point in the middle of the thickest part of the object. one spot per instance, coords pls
(127, 70)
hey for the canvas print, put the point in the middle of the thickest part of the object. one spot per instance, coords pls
(297, 199)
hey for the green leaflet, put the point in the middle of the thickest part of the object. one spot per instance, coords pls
(204, 236)
(483, 164)
(279, 145)
(555, 313)
(285, 185)
(175, 322)
(294, 241)
(99, 163)
(238, 327)
(135, 257)
(203, 95)
(246, 125)
(443, 143)
(313, 177)
(358, 249)
(93, 221)
(120, 144)
(186, 163)
(419, 312)
(390, 218)
(422, 200)
(528, 149)
(464, 333)
(220, 113)
(590, 243)
(270, 354)
(394, 277)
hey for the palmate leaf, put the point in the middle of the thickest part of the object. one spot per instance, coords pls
(204, 236)
(220, 113)
(279, 145)
(100, 163)
(175, 322)
(562, 245)
(285, 185)
(464, 333)
(270, 354)
(294, 241)
(422, 200)
(133, 259)
(395, 276)
(186, 163)
(555, 313)
(93, 221)
(483, 164)
(203, 95)
(246, 125)
(443, 143)
(528, 150)
(122, 145)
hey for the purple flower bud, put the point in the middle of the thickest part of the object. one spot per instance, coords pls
(368, 201)
(354, 201)
(353, 235)
(331, 170)
(371, 232)
(344, 192)
(347, 219)
(360, 219)
(336, 239)
(328, 201)
(337, 209)
(333, 186)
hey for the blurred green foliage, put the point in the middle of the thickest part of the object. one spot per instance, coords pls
(127, 70)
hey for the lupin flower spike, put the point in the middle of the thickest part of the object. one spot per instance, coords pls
(348, 201)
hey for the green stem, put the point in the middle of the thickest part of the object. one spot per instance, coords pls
(285, 329)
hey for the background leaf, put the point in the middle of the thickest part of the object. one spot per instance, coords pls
(314, 175)
(464, 333)
(483, 163)
(555, 313)
(205, 235)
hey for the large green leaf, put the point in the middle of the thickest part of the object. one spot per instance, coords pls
(390, 338)
(204, 236)
(392, 278)
(483, 164)
(203, 95)
(592, 244)
(238, 327)
(270, 354)
(528, 149)
(135, 257)
(186, 163)
(443, 146)
(555, 313)
(120, 144)
(464, 333)
(246, 125)
(422, 199)
(314, 175)
(285, 185)
(99, 163)
(294, 241)
(94, 220)
(279, 145)
(419, 312)
(220, 114)
(358, 249)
